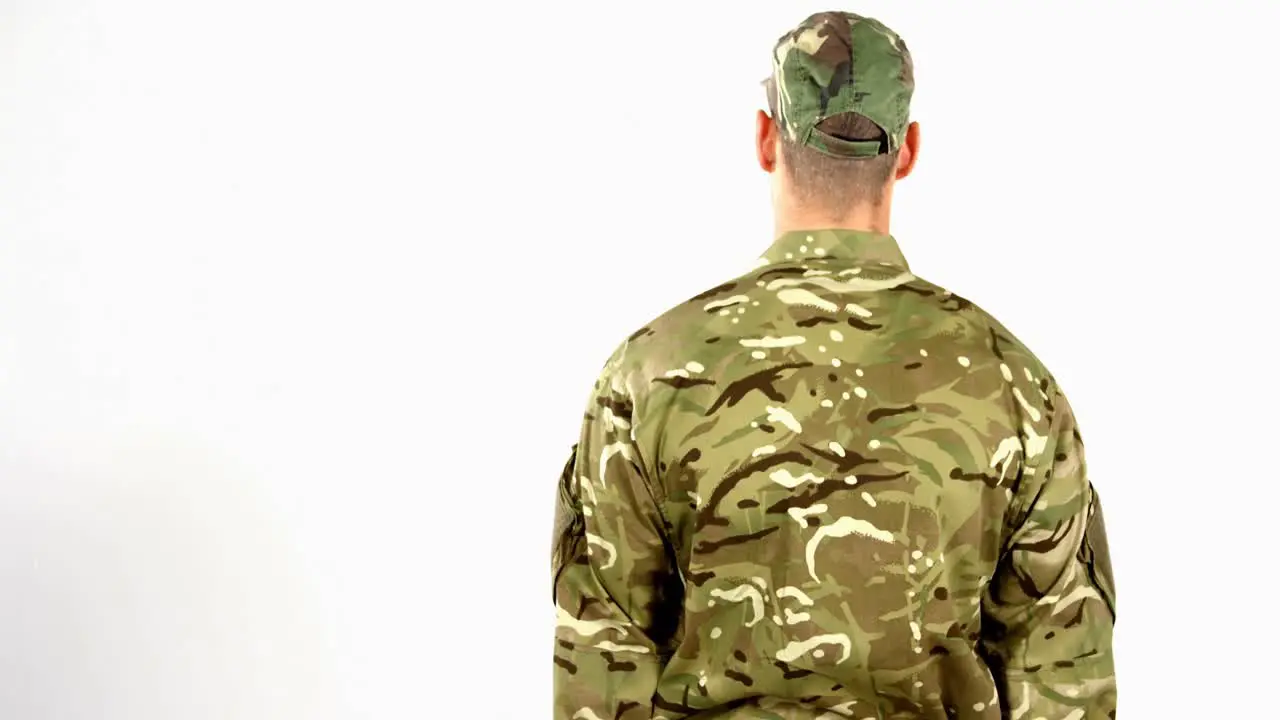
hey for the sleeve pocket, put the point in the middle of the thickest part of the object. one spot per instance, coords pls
(1097, 555)
(567, 534)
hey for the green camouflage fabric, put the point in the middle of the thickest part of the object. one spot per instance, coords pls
(835, 63)
(829, 489)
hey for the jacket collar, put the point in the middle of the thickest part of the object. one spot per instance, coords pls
(861, 246)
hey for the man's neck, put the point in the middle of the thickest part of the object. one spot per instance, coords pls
(867, 219)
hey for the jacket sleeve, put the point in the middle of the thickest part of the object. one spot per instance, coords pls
(1050, 608)
(615, 588)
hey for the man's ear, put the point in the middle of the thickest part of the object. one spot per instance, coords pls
(909, 152)
(766, 142)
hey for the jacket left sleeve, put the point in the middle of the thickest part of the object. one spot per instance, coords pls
(1050, 609)
(616, 590)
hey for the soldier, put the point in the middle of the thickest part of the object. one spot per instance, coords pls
(829, 488)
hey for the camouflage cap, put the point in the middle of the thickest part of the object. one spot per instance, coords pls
(837, 62)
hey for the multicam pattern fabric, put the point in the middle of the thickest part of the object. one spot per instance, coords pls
(835, 63)
(830, 489)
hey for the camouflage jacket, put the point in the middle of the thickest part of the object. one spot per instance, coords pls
(830, 489)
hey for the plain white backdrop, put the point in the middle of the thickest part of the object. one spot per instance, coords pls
(300, 303)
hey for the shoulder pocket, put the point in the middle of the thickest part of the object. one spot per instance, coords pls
(568, 529)
(1096, 555)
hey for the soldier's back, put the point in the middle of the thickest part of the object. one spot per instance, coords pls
(834, 444)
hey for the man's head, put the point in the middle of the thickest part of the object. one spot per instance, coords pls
(837, 135)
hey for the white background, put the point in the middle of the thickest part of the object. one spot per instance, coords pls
(300, 304)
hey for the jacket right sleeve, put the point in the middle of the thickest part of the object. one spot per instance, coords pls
(1050, 609)
(616, 588)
